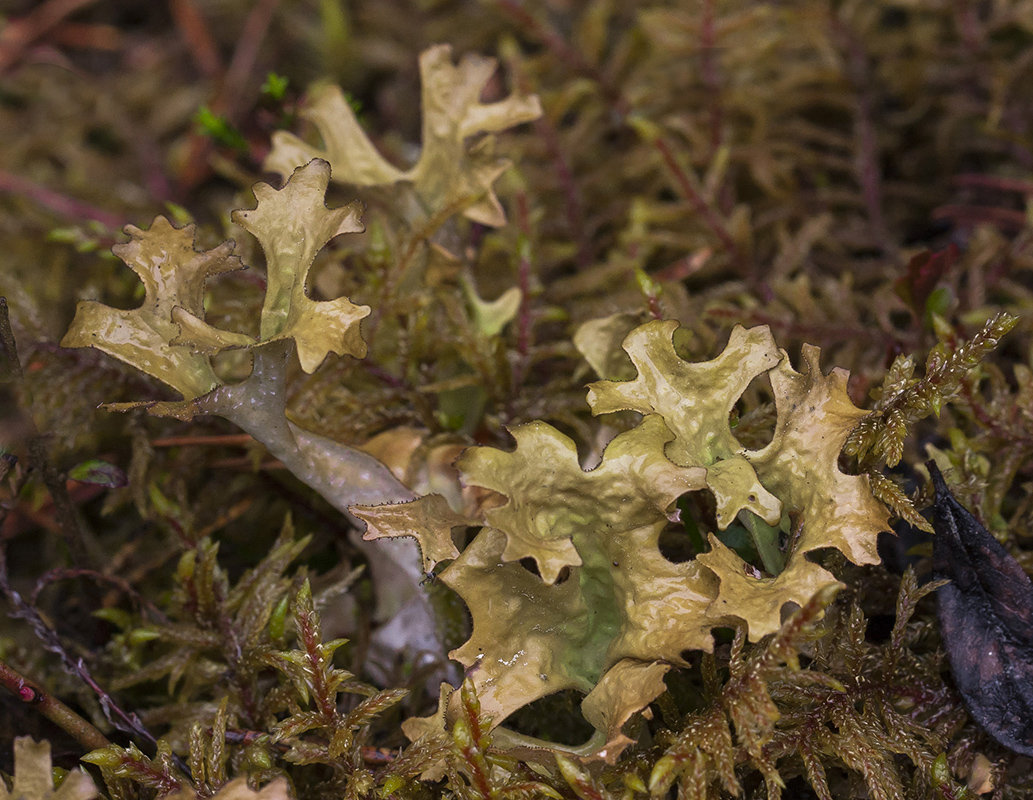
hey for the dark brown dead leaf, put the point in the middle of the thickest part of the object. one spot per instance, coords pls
(986, 616)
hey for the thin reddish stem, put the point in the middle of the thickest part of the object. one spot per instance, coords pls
(869, 173)
(525, 320)
(55, 201)
(709, 73)
(41, 701)
(699, 204)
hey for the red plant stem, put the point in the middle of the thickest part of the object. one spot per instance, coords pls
(376, 756)
(556, 43)
(966, 21)
(563, 51)
(320, 691)
(395, 273)
(382, 374)
(256, 26)
(815, 332)
(87, 36)
(653, 304)
(121, 719)
(55, 201)
(230, 99)
(72, 530)
(474, 759)
(197, 36)
(19, 33)
(699, 205)
(525, 318)
(869, 174)
(1006, 219)
(709, 73)
(239, 439)
(985, 419)
(43, 702)
(53, 575)
(564, 174)
(233, 652)
(994, 182)
(572, 199)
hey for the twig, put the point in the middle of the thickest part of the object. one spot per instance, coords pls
(245, 464)
(869, 173)
(708, 71)
(18, 34)
(87, 36)
(256, 26)
(573, 207)
(556, 43)
(899, 342)
(1020, 185)
(394, 274)
(571, 197)
(966, 20)
(72, 531)
(53, 709)
(1008, 220)
(229, 439)
(699, 204)
(55, 201)
(124, 721)
(54, 575)
(525, 320)
(369, 755)
(198, 38)
(382, 374)
(563, 51)
(229, 100)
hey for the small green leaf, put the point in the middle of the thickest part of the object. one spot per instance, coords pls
(491, 316)
(278, 619)
(938, 303)
(98, 473)
(275, 86)
(391, 785)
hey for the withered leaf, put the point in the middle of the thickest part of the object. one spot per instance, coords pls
(986, 617)
(924, 271)
(34, 777)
